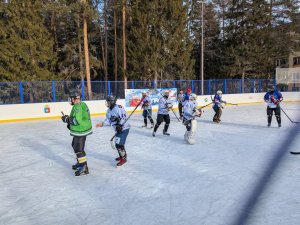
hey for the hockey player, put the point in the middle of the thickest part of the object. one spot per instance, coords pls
(190, 112)
(164, 106)
(217, 106)
(79, 124)
(273, 98)
(180, 97)
(116, 117)
(147, 109)
(186, 95)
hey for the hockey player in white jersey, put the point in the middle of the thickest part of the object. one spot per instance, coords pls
(116, 117)
(164, 106)
(190, 111)
(147, 109)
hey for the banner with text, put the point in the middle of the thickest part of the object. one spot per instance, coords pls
(134, 96)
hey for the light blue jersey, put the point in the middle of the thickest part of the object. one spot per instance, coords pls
(189, 109)
(146, 103)
(164, 105)
(116, 115)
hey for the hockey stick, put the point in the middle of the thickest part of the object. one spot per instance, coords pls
(295, 153)
(111, 140)
(149, 114)
(176, 116)
(205, 105)
(288, 116)
(230, 103)
(62, 113)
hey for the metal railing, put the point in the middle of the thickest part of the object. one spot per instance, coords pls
(57, 91)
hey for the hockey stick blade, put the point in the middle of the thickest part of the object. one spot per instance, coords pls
(295, 153)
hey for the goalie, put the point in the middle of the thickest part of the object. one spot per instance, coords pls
(190, 113)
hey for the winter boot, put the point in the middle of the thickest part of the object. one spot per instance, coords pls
(82, 170)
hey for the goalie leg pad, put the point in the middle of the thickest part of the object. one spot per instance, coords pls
(192, 133)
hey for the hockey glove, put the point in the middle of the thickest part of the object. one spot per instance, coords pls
(119, 128)
(65, 118)
(114, 119)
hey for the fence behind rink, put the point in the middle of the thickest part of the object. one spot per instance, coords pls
(57, 91)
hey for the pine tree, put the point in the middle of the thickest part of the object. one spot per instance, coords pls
(26, 45)
(158, 42)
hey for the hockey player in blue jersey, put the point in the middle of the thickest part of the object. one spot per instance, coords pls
(164, 106)
(191, 111)
(186, 96)
(273, 98)
(116, 117)
(147, 109)
(217, 106)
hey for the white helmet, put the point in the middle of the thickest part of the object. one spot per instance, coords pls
(144, 93)
(219, 92)
(166, 93)
(193, 97)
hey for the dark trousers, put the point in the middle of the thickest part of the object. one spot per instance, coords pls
(162, 118)
(187, 124)
(147, 113)
(218, 113)
(180, 109)
(277, 114)
(78, 144)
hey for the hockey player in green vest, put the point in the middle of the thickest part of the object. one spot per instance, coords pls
(80, 125)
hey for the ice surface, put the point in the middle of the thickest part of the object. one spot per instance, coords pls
(165, 182)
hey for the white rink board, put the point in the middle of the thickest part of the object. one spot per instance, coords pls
(15, 112)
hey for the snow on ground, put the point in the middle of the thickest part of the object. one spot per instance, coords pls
(165, 182)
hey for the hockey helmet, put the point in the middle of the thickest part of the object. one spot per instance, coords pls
(193, 97)
(110, 101)
(144, 93)
(166, 93)
(188, 90)
(219, 92)
(270, 87)
(73, 94)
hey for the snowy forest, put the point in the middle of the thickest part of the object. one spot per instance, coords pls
(144, 39)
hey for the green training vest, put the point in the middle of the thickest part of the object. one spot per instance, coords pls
(83, 124)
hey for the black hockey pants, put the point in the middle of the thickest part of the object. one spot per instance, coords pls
(277, 114)
(161, 118)
(78, 144)
(217, 116)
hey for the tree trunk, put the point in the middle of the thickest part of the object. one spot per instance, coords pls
(106, 41)
(124, 43)
(86, 56)
(80, 51)
(116, 46)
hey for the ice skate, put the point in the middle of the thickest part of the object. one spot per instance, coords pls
(82, 170)
(153, 134)
(165, 133)
(122, 161)
(75, 166)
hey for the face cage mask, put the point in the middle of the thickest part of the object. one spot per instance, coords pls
(71, 100)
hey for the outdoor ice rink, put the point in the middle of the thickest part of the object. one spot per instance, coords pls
(165, 182)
